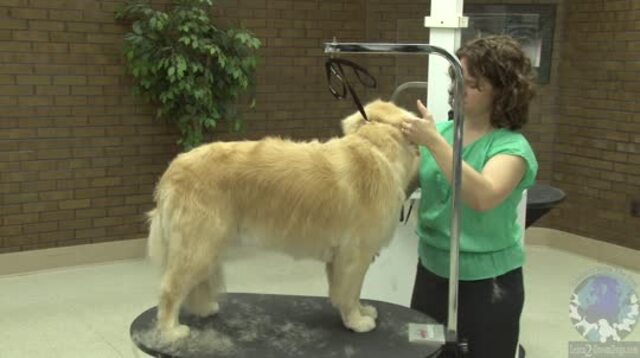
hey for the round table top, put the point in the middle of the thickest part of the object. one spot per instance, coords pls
(543, 196)
(280, 326)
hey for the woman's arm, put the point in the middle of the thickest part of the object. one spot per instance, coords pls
(481, 191)
(484, 190)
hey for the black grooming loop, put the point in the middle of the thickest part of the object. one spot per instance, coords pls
(404, 218)
(337, 78)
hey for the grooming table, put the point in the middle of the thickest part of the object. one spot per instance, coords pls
(280, 326)
(541, 199)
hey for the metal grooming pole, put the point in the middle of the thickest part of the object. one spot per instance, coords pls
(452, 346)
(407, 85)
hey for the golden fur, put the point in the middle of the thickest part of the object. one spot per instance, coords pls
(336, 201)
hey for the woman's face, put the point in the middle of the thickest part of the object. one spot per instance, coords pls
(478, 94)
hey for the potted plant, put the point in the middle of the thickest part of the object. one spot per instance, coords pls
(193, 70)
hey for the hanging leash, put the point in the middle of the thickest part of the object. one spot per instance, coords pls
(339, 85)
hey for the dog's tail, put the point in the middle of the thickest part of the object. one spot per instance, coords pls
(156, 243)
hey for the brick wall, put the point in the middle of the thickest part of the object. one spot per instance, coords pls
(292, 95)
(597, 145)
(79, 154)
(389, 21)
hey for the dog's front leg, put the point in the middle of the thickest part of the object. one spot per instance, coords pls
(346, 274)
(365, 310)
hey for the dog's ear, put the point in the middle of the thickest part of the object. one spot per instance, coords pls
(386, 112)
(374, 109)
(378, 111)
(352, 123)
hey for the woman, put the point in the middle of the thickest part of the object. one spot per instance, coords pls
(498, 165)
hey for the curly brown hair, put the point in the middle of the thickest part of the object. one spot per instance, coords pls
(502, 62)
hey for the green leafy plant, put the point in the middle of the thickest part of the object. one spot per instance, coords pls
(193, 70)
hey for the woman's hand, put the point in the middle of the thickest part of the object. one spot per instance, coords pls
(421, 131)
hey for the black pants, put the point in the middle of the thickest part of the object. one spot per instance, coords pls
(488, 310)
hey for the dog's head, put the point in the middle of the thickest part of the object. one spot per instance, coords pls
(378, 111)
(384, 131)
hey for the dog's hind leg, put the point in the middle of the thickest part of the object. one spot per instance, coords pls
(181, 276)
(189, 262)
(346, 274)
(202, 300)
(193, 269)
(175, 284)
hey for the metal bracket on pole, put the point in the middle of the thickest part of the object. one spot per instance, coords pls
(458, 22)
(453, 346)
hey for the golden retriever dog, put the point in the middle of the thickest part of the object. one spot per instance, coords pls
(336, 201)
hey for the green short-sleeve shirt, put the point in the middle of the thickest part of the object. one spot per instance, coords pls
(491, 241)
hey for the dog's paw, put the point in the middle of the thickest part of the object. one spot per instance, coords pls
(175, 333)
(369, 311)
(204, 310)
(361, 324)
